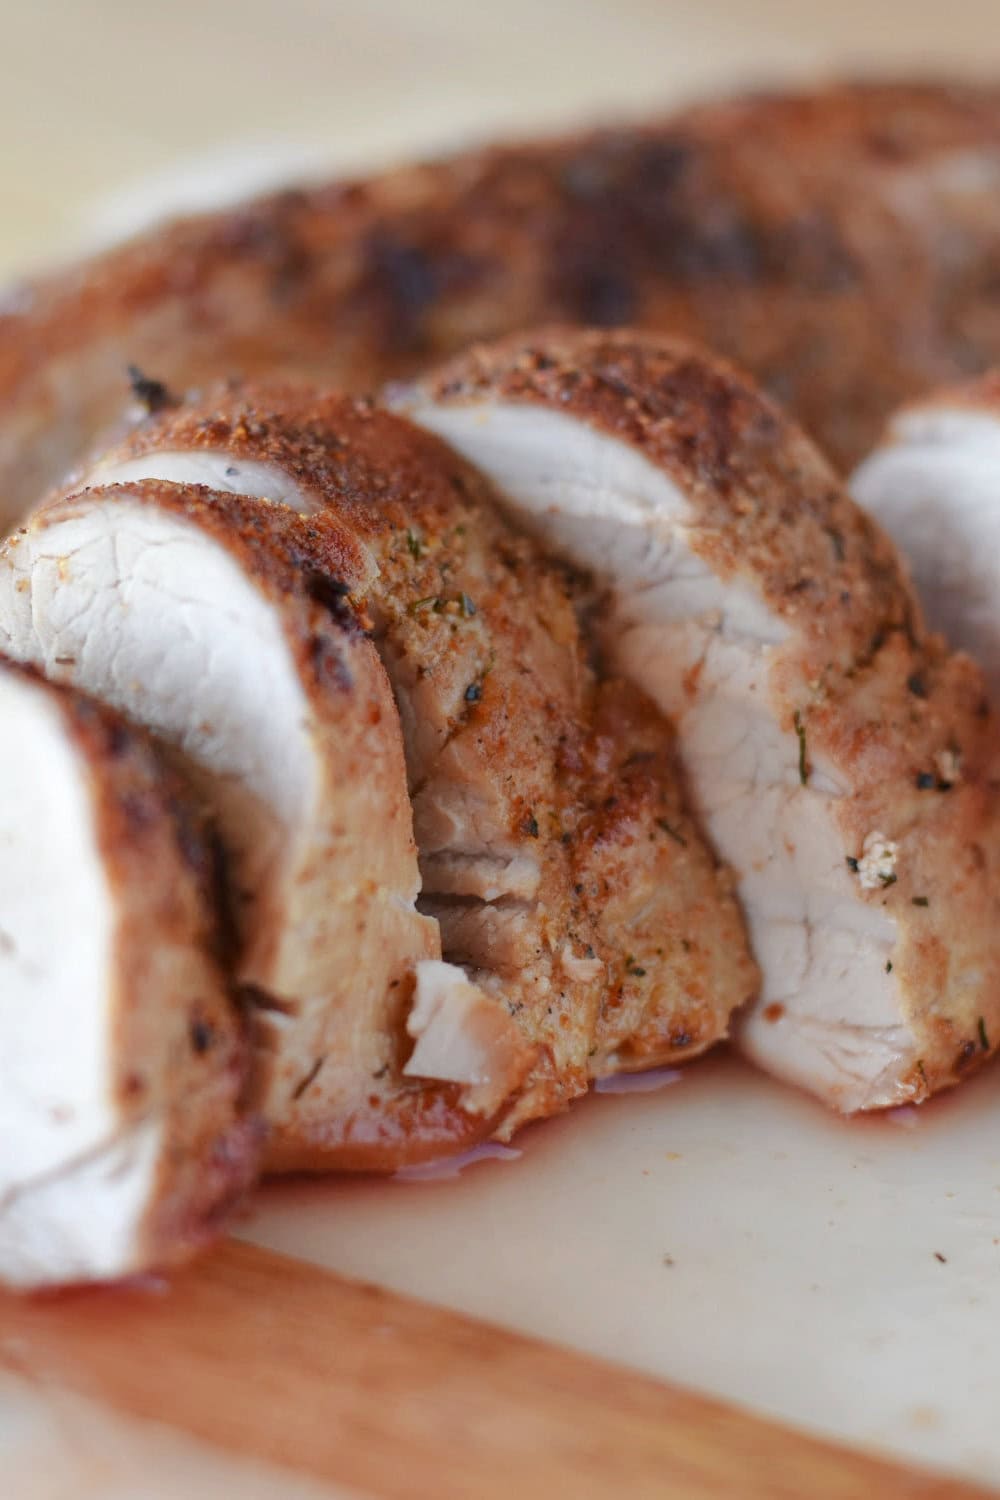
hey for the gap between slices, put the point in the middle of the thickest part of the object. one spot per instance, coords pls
(774, 624)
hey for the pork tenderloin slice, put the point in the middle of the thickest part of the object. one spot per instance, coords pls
(934, 484)
(839, 242)
(666, 916)
(221, 625)
(773, 622)
(123, 1058)
(507, 744)
(484, 658)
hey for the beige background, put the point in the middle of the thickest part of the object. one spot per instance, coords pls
(112, 109)
(97, 96)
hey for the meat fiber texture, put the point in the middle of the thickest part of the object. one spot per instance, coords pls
(123, 1058)
(841, 244)
(844, 760)
(357, 659)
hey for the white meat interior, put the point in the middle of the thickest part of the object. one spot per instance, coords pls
(57, 947)
(822, 950)
(217, 471)
(935, 488)
(148, 613)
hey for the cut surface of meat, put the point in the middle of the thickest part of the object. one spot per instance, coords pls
(772, 621)
(934, 484)
(525, 843)
(123, 1057)
(840, 243)
(214, 622)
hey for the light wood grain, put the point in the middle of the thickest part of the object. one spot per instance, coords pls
(279, 1361)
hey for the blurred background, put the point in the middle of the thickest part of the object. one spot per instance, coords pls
(113, 111)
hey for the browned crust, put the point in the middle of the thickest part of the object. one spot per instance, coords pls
(815, 237)
(767, 504)
(297, 562)
(180, 1041)
(470, 612)
(860, 678)
(663, 909)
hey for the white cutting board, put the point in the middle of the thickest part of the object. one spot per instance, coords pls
(726, 1233)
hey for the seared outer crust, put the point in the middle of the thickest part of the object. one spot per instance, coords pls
(979, 395)
(842, 244)
(179, 1038)
(481, 641)
(667, 922)
(871, 690)
(344, 1119)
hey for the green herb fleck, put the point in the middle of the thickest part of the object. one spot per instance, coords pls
(430, 602)
(984, 1040)
(888, 966)
(852, 864)
(925, 781)
(531, 825)
(473, 692)
(414, 544)
(673, 833)
(800, 730)
(467, 606)
(890, 880)
(921, 901)
(637, 971)
(920, 1069)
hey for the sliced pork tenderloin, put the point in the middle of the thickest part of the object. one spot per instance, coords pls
(844, 761)
(523, 838)
(123, 1056)
(841, 243)
(934, 484)
(221, 624)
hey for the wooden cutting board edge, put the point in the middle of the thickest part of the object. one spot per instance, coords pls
(270, 1358)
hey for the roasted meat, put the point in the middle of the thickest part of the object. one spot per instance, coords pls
(123, 1058)
(845, 762)
(502, 717)
(250, 632)
(934, 484)
(843, 245)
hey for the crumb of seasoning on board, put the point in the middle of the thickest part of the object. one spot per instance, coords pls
(920, 901)
(877, 865)
(800, 731)
(942, 1258)
(668, 1260)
